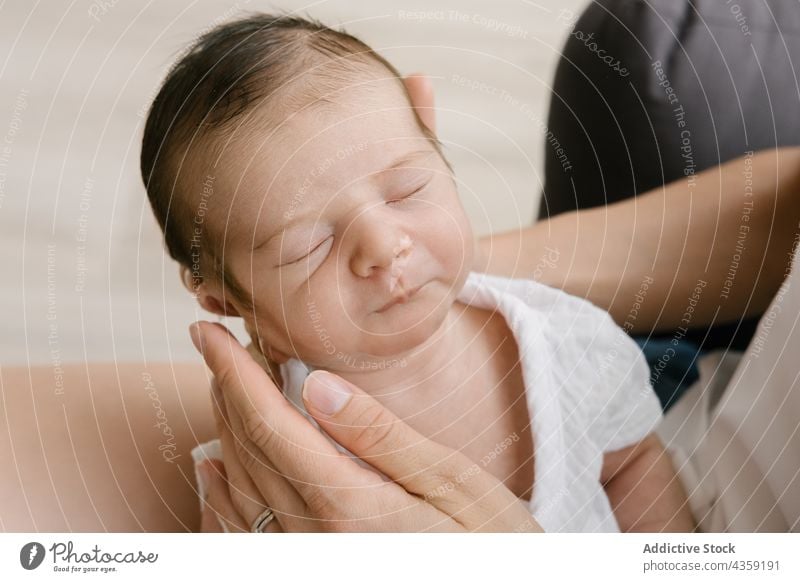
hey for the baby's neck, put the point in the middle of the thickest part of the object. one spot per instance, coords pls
(413, 382)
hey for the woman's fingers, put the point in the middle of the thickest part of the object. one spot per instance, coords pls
(364, 426)
(444, 478)
(270, 489)
(269, 434)
(219, 514)
(296, 449)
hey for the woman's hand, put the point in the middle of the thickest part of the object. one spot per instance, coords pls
(275, 458)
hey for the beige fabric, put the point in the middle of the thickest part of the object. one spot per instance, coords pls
(735, 435)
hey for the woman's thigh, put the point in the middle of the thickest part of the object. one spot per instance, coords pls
(102, 447)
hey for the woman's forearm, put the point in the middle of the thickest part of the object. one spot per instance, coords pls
(710, 248)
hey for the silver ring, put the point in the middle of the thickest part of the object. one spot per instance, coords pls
(262, 521)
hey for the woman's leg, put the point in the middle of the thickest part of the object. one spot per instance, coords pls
(102, 447)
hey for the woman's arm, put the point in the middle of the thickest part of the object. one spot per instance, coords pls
(727, 231)
(102, 447)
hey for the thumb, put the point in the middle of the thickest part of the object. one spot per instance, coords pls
(365, 427)
(420, 92)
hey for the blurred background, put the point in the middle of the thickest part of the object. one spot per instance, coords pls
(86, 276)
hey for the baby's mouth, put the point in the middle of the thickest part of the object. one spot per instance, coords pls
(400, 298)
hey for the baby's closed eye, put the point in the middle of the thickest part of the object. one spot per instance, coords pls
(406, 193)
(312, 249)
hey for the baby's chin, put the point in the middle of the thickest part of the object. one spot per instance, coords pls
(388, 342)
(396, 332)
(403, 328)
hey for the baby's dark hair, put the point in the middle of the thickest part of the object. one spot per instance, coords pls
(221, 78)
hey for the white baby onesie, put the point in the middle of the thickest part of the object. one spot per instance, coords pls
(587, 387)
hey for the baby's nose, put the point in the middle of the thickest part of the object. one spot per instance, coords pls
(380, 246)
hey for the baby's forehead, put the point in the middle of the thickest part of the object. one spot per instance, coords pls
(280, 164)
(328, 144)
(277, 175)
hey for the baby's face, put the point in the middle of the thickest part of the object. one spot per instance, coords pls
(347, 230)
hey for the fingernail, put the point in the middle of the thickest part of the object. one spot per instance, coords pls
(197, 336)
(326, 392)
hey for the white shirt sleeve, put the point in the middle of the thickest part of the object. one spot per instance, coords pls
(626, 406)
(609, 377)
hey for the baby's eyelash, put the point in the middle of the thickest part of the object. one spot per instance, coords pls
(415, 191)
(308, 254)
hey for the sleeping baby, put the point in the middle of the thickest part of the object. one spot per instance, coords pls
(299, 190)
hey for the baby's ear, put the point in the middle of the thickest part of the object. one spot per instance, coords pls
(187, 279)
(214, 304)
(209, 299)
(420, 91)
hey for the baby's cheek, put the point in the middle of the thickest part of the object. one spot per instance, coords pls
(270, 324)
(316, 328)
(451, 228)
(454, 249)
